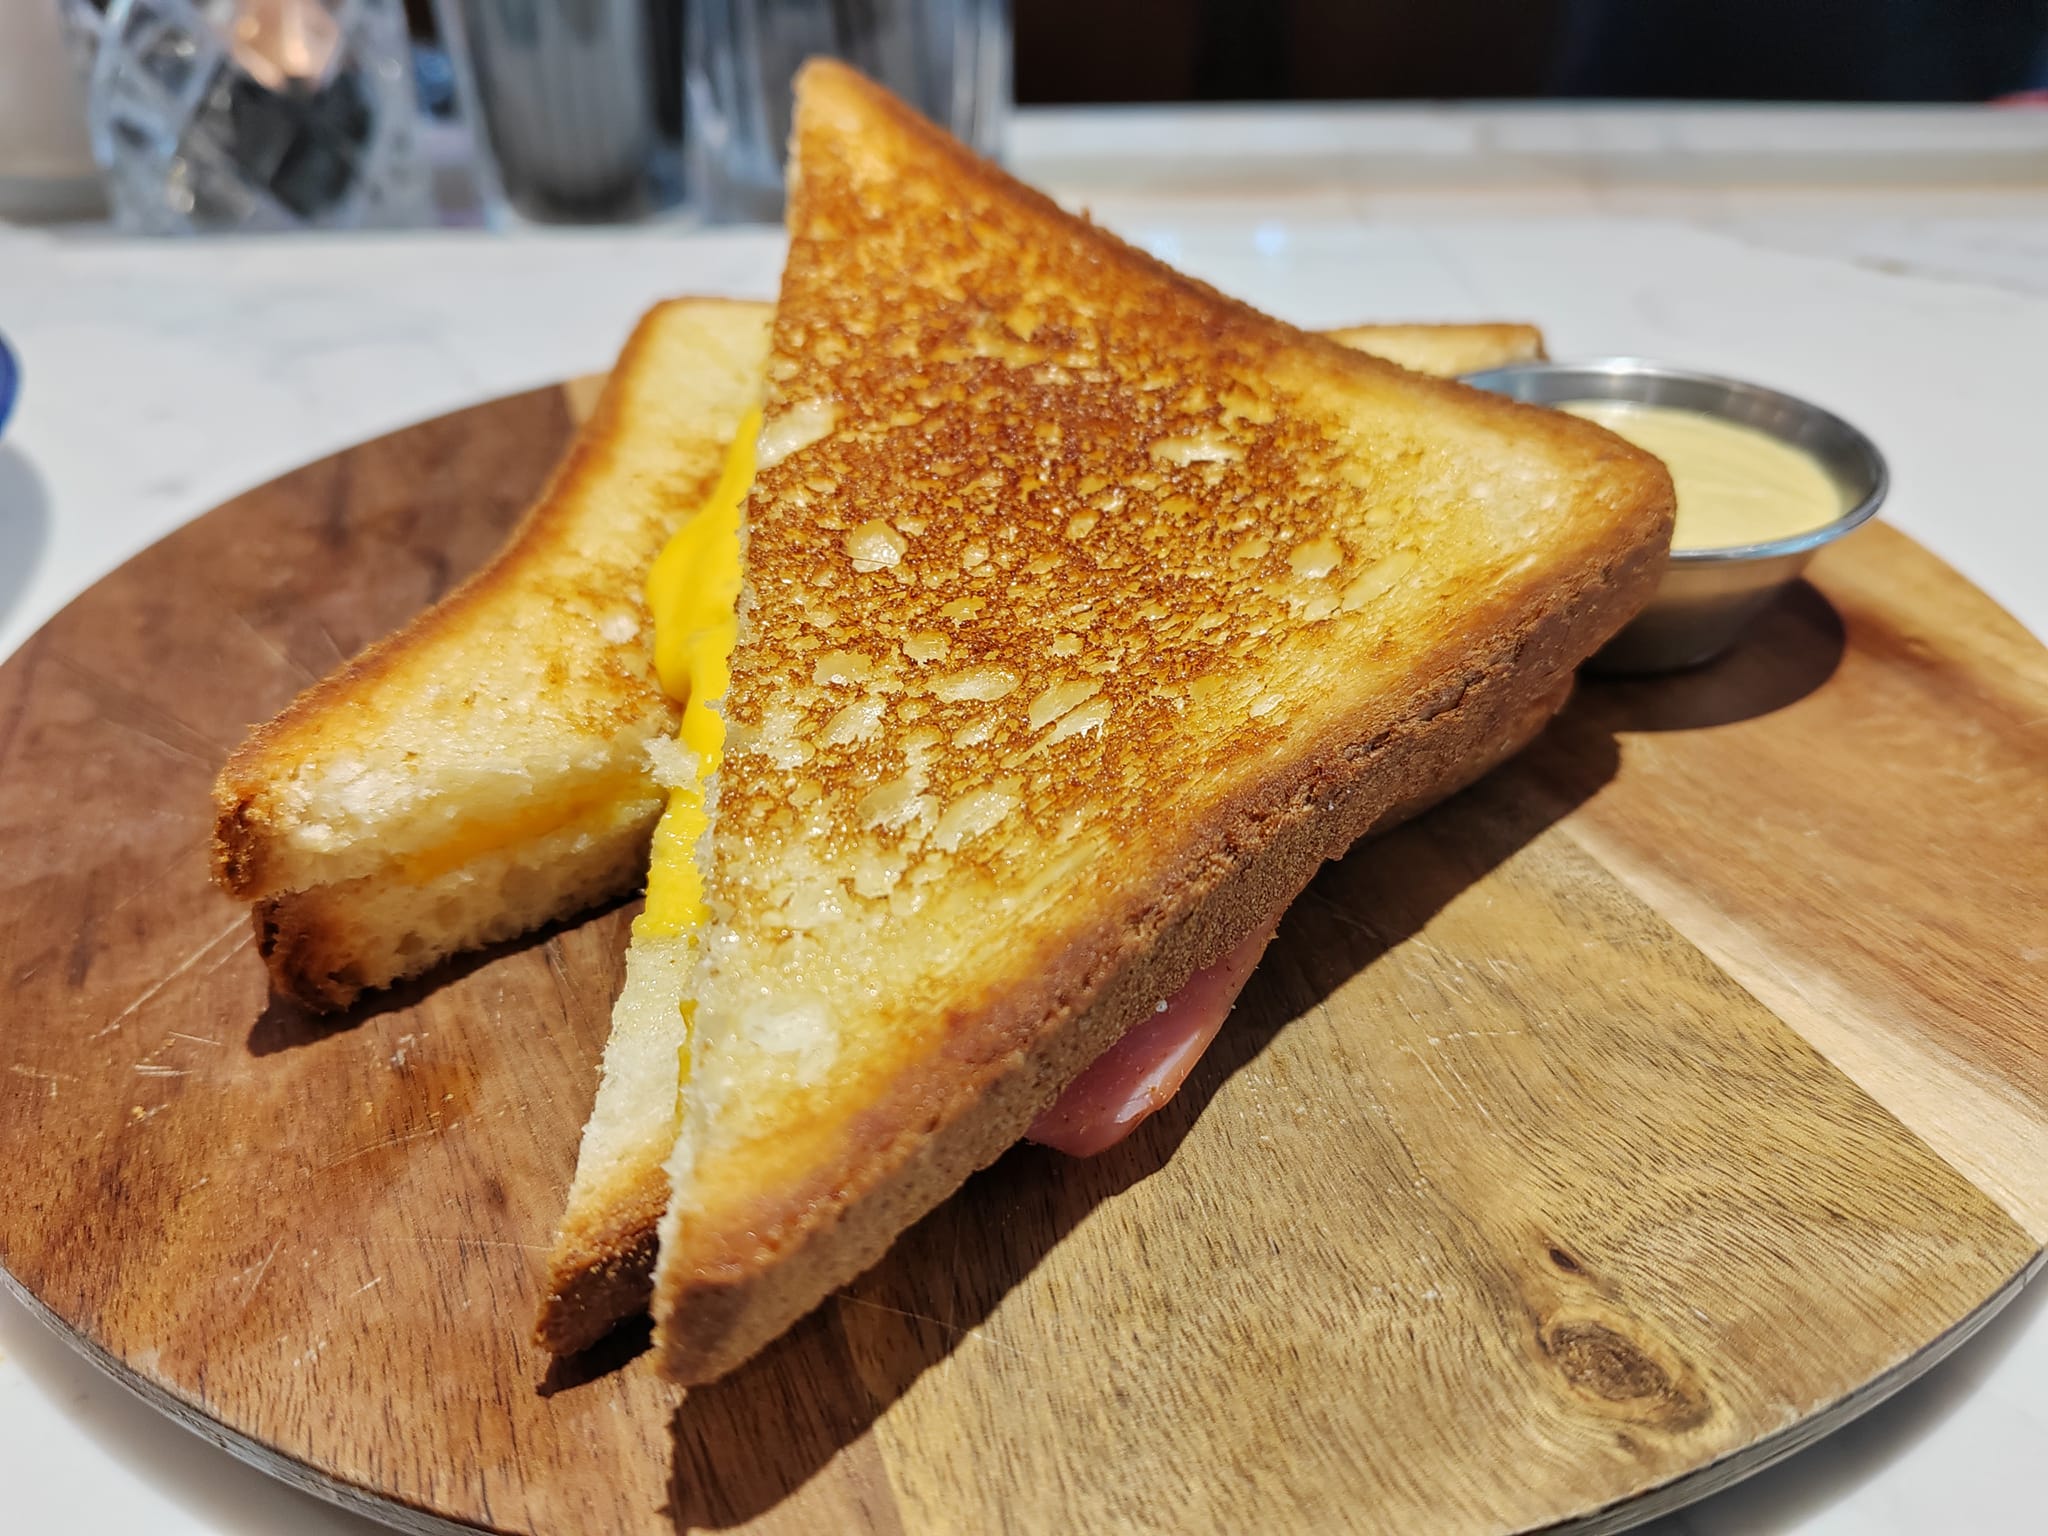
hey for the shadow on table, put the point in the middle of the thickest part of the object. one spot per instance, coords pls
(1787, 1496)
(286, 1024)
(24, 526)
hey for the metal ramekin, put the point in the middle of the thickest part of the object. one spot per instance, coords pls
(1707, 595)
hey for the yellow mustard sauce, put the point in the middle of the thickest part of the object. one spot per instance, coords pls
(1736, 485)
(693, 592)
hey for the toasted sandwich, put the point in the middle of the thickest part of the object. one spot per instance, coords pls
(1085, 612)
(600, 1265)
(487, 769)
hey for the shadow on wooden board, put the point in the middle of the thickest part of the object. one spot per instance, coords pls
(1791, 649)
(286, 1025)
(746, 1444)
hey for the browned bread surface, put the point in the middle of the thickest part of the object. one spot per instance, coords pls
(600, 1268)
(447, 857)
(1087, 611)
(487, 764)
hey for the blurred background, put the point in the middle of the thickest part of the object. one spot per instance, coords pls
(186, 116)
(1749, 50)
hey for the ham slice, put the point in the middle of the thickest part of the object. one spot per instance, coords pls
(1141, 1071)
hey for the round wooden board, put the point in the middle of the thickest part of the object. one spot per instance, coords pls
(1604, 1135)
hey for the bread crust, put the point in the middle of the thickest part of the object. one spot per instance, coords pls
(1446, 350)
(601, 1270)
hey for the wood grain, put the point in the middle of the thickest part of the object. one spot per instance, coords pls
(1606, 1133)
(1920, 855)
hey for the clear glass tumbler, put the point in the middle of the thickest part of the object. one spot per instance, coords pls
(950, 59)
(253, 114)
(575, 105)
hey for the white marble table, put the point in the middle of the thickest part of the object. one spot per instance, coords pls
(1891, 264)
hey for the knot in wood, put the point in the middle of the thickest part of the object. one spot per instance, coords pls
(1622, 1375)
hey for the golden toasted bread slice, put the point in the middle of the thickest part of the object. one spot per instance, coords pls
(1445, 350)
(601, 1262)
(485, 769)
(1086, 612)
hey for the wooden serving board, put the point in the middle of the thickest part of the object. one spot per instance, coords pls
(1615, 1129)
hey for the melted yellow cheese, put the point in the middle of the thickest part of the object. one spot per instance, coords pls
(693, 592)
(1735, 485)
(590, 809)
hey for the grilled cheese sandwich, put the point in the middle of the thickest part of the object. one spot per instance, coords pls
(487, 769)
(432, 796)
(1089, 614)
(600, 1265)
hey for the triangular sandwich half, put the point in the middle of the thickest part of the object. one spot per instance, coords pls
(485, 769)
(1086, 612)
(601, 1262)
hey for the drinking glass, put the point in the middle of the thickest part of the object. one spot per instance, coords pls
(950, 59)
(253, 114)
(575, 105)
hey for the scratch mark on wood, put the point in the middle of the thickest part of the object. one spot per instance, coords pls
(52, 1078)
(1449, 1097)
(467, 1242)
(118, 703)
(328, 635)
(1350, 921)
(158, 739)
(262, 1269)
(937, 1322)
(176, 862)
(239, 925)
(276, 652)
(387, 1143)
